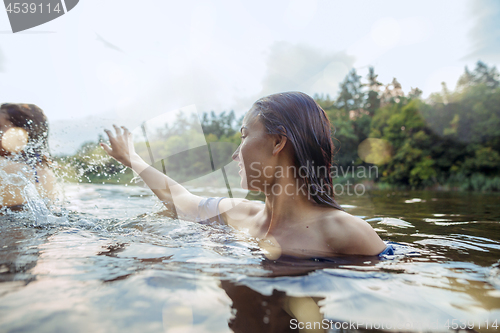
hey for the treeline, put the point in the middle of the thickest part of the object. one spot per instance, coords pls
(450, 140)
(91, 164)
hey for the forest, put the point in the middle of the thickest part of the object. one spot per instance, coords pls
(449, 141)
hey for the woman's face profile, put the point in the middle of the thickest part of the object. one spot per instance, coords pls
(253, 153)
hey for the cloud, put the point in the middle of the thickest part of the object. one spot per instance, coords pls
(195, 87)
(288, 67)
(485, 35)
(304, 68)
(296, 67)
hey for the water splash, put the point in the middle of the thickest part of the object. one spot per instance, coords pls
(16, 183)
(38, 207)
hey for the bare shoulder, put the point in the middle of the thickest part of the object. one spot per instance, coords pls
(238, 211)
(348, 234)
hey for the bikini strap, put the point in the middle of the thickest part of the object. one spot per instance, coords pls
(208, 211)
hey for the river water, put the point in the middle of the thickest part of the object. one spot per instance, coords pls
(105, 262)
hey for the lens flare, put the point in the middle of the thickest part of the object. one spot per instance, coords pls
(14, 139)
(375, 151)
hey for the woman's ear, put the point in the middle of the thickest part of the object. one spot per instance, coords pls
(279, 143)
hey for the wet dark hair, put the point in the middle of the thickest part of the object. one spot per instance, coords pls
(32, 119)
(305, 124)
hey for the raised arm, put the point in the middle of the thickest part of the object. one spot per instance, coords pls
(166, 189)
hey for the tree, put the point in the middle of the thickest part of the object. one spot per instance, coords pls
(393, 93)
(373, 100)
(482, 74)
(222, 125)
(415, 93)
(351, 95)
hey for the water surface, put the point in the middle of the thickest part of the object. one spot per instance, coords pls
(106, 263)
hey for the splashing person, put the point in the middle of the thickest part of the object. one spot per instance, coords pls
(24, 154)
(286, 152)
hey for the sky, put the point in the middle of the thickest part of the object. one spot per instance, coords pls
(125, 62)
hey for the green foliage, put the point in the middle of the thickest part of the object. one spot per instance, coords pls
(91, 164)
(485, 161)
(373, 98)
(423, 172)
(351, 95)
(482, 74)
(475, 182)
(178, 142)
(222, 125)
(451, 139)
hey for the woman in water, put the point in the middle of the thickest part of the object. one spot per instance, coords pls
(286, 152)
(24, 154)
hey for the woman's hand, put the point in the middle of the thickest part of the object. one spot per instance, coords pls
(122, 147)
(166, 189)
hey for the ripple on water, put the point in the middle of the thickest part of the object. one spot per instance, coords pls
(118, 267)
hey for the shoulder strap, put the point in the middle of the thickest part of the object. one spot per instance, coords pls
(208, 211)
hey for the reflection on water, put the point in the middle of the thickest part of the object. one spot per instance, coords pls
(108, 264)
